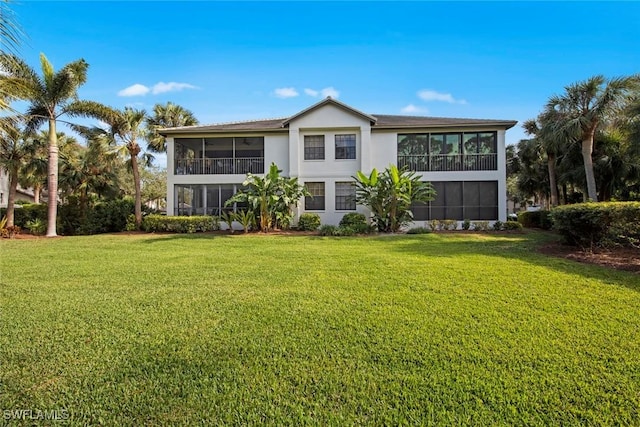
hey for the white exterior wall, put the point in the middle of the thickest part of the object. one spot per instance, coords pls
(329, 121)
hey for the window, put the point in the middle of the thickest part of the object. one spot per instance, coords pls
(315, 202)
(346, 146)
(345, 196)
(459, 200)
(314, 147)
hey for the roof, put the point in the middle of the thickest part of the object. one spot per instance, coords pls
(378, 121)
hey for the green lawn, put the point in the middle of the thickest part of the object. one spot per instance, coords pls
(435, 329)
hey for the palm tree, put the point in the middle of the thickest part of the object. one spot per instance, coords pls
(127, 128)
(51, 96)
(166, 116)
(582, 109)
(10, 36)
(552, 143)
(16, 149)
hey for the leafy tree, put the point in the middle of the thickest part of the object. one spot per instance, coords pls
(166, 116)
(16, 149)
(389, 196)
(583, 108)
(52, 95)
(270, 197)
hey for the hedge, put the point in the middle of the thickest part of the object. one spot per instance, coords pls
(309, 222)
(536, 219)
(27, 213)
(592, 225)
(180, 224)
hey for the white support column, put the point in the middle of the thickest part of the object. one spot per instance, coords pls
(170, 176)
(294, 152)
(502, 177)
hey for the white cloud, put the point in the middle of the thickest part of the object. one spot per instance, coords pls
(323, 93)
(134, 90)
(160, 87)
(329, 91)
(414, 109)
(163, 87)
(432, 95)
(286, 92)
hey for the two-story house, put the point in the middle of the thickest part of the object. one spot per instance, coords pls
(326, 144)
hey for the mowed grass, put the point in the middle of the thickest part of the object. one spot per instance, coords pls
(449, 329)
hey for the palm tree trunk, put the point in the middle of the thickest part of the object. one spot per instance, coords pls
(52, 180)
(36, 193)
(587, 150)
(13, 187)
(136, 179)
(551, 164)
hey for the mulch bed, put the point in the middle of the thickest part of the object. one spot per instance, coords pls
(627, 259)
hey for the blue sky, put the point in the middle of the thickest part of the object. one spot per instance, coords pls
(243, 60)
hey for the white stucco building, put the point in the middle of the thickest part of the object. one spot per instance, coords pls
(326, 144)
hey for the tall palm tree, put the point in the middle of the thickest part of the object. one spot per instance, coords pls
(127, 128)
(10, 37)
(166, 116)
(52, 95)
(552, 143)
(16, 149)
(583, 107)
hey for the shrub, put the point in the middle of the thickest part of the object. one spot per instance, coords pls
(131, 223)
(498, 226)
(309, 222)
(10, 231)
(599, 224)
(352, 219)
(434, 224)
(36, 227)
(418, 230)
(27, 213)
(512, 226)
(179, 224)
(537, 219)
(228, 217)
(346, 231)
(466, 224)
(449, 224)
(247, 219)
(328, 230)
(480, 225)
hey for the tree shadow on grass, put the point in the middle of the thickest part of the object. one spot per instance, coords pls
(523, 247)
(175, 237)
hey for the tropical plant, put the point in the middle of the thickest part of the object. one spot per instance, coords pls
(127, 128)
(52, 95)
(247, 219)
(270, 197)
(16, 149)
(36, 227)
(582, 109)
(228, 217)
(389, 196)
(166, 116)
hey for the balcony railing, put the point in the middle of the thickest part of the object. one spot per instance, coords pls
(219, 166)
(449, 162)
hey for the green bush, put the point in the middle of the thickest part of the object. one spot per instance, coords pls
(328, 230)
(434, 224)
(449, 224)
(26, 213)
(512, 226)
(180, 224)
(480, 225)
(36, 226)
(466, 224)
(309, 222)
(354, 219)
(599, 224)
(537, 219)
(418, 230)
(498, 226)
